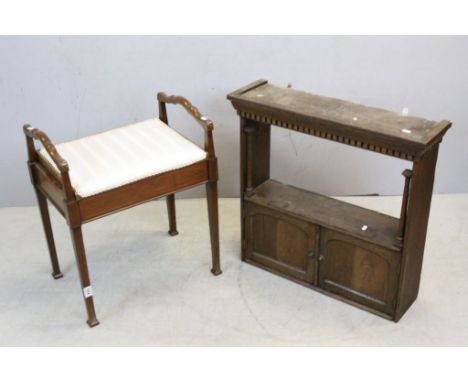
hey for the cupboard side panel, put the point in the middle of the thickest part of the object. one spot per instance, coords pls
(419, 205)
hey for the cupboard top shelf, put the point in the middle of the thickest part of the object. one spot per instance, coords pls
(361, 223)
(371, 128)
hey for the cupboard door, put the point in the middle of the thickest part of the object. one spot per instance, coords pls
(359, 271)
(280, 243)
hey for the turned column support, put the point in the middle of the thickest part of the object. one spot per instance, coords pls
(404, 204)
(249, 132)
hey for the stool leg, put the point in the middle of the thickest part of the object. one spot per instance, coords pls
(77, 238)
(212, 199)
(44, 208)
(170, 201)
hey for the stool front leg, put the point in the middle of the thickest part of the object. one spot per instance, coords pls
(212, 199)
(44, 209)
(77, 238)
(171, 212)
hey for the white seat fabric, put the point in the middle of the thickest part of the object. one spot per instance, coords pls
(120, 156)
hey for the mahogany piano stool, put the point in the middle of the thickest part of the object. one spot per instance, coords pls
(94, 176)
(362, 257)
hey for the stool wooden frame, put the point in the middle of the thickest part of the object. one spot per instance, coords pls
(77, 211)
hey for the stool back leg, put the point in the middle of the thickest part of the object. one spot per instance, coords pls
(212, 199)
(78, 245)
(171, 212)
(44, 209)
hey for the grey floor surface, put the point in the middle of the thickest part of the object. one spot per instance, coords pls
(152, 289)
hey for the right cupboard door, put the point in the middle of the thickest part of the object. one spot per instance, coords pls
(359, 271)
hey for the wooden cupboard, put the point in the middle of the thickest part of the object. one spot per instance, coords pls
(360, 256)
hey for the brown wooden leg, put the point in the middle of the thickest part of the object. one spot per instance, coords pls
(77, 238)
(44, 208)
(212, 199)
(170, 201)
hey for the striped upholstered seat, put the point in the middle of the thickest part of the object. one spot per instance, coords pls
(120, 156)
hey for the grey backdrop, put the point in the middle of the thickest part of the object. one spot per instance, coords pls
(74, 86)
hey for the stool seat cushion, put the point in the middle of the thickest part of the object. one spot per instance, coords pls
(111, 159)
